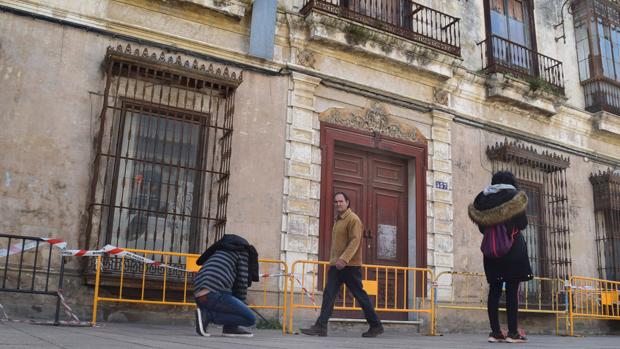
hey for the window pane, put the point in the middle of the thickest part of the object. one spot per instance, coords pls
(516, 10)
(498, 6)
(499, 24)
(517, 32)
(615, 40)
(155, 183)
(511, 25)
(606, 54)
(583, 51)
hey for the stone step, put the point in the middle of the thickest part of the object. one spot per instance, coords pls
(388, 322)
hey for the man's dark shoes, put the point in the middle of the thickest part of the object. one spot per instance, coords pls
(236, 331)
(373, 332)
(315, 330)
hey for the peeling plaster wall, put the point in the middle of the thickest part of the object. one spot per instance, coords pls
(50, 101)
(472, 172)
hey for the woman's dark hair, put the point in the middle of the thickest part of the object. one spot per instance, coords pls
(345, 197)
(504, 177)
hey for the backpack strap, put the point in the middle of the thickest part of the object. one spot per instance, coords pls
(515, 231)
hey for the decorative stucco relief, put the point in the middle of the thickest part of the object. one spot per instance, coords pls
(374, 118)
(306, 58)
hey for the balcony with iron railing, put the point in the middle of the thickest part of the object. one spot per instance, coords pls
(503, 56)
(602, 94)
(403, 18)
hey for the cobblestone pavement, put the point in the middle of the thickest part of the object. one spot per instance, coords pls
(134, 335)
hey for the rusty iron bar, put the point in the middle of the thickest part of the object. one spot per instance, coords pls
(404, 18)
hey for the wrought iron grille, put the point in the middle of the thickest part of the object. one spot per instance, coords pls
(543, 177)
(163, 153)
(602, 94)
(30, 265)
(499, 55)
(404, 18)
(606, 190)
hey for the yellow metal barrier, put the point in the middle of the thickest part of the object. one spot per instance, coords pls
(592, 298)
(393, 289)
(138, 282)
(469, 291)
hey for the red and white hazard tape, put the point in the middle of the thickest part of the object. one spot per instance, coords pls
(62, 245)
(118, 252)
(267, 275)
(82, 253)
(17, 248)
(305, 291)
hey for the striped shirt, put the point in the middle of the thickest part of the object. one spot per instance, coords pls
(226, 271)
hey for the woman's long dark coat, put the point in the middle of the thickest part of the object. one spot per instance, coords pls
(508, 207)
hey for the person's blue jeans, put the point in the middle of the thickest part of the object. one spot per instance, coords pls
(223, 308)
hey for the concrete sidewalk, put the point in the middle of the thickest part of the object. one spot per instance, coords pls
(133, 335)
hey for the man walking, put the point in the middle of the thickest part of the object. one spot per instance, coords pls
(345, 267)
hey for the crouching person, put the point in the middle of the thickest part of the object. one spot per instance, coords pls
(220, 287)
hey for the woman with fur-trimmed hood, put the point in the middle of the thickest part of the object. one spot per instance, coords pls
(502, 202)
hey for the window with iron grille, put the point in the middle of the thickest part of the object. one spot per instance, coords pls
(606, 189)
(163, 153)
(543, 178)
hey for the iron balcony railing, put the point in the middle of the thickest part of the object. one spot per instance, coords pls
(503, 56)
(602, 94)
(404, 18)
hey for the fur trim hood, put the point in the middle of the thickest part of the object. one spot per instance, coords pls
(500, 213)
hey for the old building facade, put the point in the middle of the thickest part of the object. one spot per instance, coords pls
(160, 125)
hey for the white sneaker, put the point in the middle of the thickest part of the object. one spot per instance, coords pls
(201, 327)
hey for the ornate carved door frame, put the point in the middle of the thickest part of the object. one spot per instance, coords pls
(373, 128)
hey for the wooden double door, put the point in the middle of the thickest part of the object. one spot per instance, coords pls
(376, 184)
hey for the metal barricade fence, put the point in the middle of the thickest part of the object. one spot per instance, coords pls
(469, 291)
(169, 281)
(29, 265)
(391, 288)
(592, 298)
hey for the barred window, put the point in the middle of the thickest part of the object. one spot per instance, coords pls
(163, 153)
(606, 190)
(543, 178)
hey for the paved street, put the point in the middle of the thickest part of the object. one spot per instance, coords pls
(132, 335)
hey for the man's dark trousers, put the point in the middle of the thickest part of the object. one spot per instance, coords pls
(352, 278)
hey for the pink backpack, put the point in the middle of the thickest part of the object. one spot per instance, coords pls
(497, 242)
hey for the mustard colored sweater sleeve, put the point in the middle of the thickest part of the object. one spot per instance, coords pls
(355, 238)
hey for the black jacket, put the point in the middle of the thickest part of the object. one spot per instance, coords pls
(508, 207)
(232, 242)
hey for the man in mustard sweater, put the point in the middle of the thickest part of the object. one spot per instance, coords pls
(345, 267)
